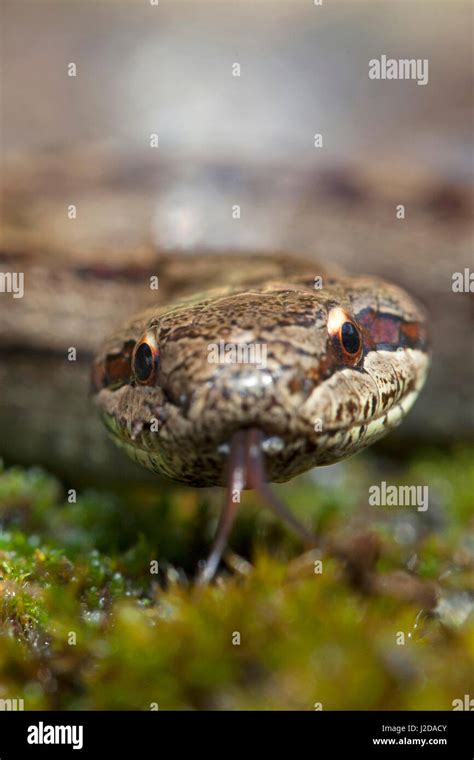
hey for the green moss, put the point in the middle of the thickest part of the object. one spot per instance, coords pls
(86, 625)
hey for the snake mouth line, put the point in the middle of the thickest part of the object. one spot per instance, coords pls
(403, 404)
(271, 441)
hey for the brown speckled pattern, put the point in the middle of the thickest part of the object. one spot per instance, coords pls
(313, 408)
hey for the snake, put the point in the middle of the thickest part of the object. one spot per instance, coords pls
(340, 361)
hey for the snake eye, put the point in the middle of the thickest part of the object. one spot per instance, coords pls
(145, 360)
(350, 338)
(345, 334)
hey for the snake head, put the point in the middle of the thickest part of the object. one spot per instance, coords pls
(321, 373)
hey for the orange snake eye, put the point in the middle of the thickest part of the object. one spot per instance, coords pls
(346, 333)
(146, 358)
(350, 338)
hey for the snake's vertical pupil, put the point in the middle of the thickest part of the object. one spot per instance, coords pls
(143, 362)
(350, 338)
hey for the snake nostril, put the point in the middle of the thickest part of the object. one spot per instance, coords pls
(177, 397)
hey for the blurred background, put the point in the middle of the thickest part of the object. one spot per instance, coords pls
(304, 68)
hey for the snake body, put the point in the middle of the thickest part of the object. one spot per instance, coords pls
(345, 358)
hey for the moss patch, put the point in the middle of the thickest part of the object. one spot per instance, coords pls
(86, 625)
